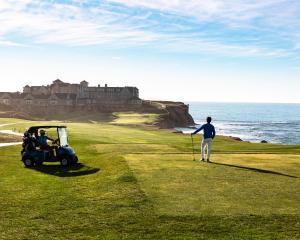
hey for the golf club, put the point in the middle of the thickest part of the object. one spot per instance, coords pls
(193, 147)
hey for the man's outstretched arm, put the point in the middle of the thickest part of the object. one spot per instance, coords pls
(52, 140)
(198, 130)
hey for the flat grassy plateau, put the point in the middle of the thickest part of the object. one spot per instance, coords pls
(137, 182)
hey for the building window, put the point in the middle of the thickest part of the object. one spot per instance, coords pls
(28, 101)
(5, 101)
(53, 102)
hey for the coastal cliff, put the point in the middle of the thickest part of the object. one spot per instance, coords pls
(172, 114)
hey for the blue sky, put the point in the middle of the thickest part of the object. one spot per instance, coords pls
(188, 50)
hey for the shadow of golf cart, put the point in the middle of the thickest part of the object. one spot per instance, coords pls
(33, 155)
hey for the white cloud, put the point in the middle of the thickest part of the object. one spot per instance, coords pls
(70, 25)
(204, 9)
(49, 22)
(182, 6)
(10, 43)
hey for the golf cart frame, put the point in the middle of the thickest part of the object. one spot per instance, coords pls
(34, 155)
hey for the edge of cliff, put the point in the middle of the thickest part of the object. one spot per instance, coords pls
(172, 114)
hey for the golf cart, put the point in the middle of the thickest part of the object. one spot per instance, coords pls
(33, 154)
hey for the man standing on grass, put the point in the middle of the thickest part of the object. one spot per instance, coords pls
(208, 136)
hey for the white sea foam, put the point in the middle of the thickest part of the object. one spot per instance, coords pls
(276, 123)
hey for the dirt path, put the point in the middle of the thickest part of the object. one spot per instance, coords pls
(12, 133)
(10, 144)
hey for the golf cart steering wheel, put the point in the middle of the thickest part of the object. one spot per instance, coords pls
(55, 142)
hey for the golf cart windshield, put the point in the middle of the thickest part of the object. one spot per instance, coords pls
(63, 136)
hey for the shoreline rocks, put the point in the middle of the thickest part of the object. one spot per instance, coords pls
(236, 139)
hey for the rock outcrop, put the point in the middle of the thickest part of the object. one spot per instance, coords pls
(236, 138)
(172, 114)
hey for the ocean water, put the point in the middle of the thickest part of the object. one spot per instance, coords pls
(254, 122)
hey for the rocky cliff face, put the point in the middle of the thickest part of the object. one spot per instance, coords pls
(172, 114)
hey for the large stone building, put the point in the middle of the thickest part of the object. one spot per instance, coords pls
(66, 96)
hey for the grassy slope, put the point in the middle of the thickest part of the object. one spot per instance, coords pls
(138, 182)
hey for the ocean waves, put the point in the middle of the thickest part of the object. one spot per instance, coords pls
(275, 123)
(288, 132)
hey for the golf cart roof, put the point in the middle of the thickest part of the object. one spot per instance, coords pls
(34, 128)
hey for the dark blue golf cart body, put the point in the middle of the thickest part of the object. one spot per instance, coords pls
(32, 156)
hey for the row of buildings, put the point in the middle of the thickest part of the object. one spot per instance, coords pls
(68, 96)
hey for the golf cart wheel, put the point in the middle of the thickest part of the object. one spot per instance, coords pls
(38, 163)
(65, 162)
(75, 161)
(28, 162)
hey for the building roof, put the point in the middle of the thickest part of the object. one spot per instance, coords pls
(17, 95)
(13, 95)
(59, 82)
(3, 94)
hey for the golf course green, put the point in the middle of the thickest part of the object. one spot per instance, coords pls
(138, 182)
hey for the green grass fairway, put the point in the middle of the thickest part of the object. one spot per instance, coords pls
(137, 182)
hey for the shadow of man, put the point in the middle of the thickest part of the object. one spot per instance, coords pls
(253, 169)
